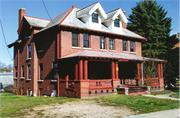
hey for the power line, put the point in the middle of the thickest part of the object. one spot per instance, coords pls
(47, 11)
(5, 40)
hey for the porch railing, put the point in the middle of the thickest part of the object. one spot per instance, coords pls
(151, 81)
(100, 84)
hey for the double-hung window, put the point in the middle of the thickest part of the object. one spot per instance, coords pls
(116, 22)
(22, 71)
(40, 71)
(95, 18)
(29, 71)
(86, 40)
(132, 46)
(75, 39)
(29, 51)
(124, 45)
(111, 44)
(16, 70)
(55, 67)
(102, 43)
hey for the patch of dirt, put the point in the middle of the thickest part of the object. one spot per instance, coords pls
(78, 109)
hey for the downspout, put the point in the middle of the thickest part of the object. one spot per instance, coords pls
(142, 72)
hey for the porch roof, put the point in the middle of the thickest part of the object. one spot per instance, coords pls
(110, 55)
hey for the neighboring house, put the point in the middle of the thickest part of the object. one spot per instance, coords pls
(6, 78)
(79, 53)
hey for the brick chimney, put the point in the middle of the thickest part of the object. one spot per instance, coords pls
(124, 24)
(22, 12)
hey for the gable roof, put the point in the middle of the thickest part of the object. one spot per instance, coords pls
(90, 10)
(114, 14)
(36, 21)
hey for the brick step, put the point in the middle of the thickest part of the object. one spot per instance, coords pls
(139, 93)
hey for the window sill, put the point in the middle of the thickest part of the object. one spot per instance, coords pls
(102, 49)
(22, 78)
(40, 51)
(40, 80)
(112, 50)
(28, 79)
(87, 48)
(53, 80)
(28, 59)
(133, 52)
(76, 47)
(15, 77)
(125, 52)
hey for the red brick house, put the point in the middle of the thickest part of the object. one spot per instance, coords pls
(79, 53)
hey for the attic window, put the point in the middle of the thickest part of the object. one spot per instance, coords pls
(116, 22)
(95, 18)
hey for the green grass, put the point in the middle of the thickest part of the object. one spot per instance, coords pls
(161, 92)
(175, 95)
(141, 103)
(10, 104)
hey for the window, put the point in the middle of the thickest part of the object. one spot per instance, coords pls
(132, 46)
(40, 71)
(86, 40)
(102, 43)
(22, 71)
(16, 70)
(116, 22)
(55, 66)
(75, 39)
(29, 72)
(124, 45)
(29, 51)
(111, 44)
(95, 18)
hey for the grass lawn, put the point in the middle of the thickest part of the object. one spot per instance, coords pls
(141, 103)
(10, 104)
(175, 95)
(161, 92)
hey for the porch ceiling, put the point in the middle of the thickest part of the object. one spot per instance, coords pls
(110, 55)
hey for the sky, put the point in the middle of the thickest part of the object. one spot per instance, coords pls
(9, 15)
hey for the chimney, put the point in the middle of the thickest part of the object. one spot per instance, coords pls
(22, 12)
(124, 24)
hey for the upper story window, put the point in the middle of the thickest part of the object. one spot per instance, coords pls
(102, 43)
(95, 18)
(29, 72)
(111, 44)
(55, 66)
(29, 51)
(132, 46)
(116, 22)
(124, 45)
(22, 71)
(86, 40)
(75, 39)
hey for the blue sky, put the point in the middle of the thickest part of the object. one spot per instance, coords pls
(9, 15)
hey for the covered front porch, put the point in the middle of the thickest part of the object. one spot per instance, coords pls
(85, 76)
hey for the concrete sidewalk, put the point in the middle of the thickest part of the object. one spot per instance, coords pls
(174, 113)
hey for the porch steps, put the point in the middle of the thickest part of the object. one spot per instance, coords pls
(139, 93)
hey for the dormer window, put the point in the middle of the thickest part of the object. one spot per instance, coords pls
(116, 22)
(95, 18)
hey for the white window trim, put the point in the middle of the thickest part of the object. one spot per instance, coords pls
(75, 47)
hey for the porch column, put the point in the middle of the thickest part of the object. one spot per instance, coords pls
(67, 79)
(57, 81)
(112, 70)
(159, 70)
(81, 69)
(85, 69)
(76, 72)
(162, 70)
(138, 70)
(117, 70)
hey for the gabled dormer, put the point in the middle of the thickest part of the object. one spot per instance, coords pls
(115, 20)
(92, 15)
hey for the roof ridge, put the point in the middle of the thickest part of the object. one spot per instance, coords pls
(37, 18)
(66, 16)
(113, 10)
(88, 6)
